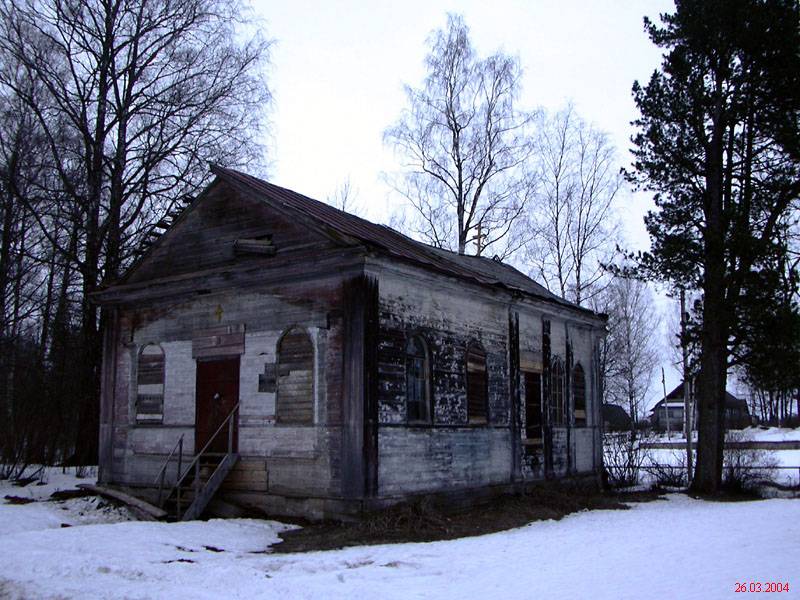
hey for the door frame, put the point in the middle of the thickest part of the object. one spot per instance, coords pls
(206, 361)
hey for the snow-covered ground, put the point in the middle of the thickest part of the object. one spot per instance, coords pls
(788, 460)
(758, 434)
(678, 548)
(43, 514)
(772, 434)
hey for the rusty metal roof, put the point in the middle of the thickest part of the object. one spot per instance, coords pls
(478, 269)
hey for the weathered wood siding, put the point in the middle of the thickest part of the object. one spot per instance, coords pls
(295, 459)
(574, 449)
(203, 238)
(449, 453)
(345, 436)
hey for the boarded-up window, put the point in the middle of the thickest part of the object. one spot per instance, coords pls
(557, 409)
(476, 384)
(295, 395)
(418, 381)
(150, 385)
(579, 395)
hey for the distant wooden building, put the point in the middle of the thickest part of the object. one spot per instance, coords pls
(737, 414)
(615, 418)
(328, 365)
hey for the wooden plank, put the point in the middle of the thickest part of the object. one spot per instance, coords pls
(218, 341)
(144, 510)
(244, 246)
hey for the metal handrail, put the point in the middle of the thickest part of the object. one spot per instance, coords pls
(196, 461)
(163, 470)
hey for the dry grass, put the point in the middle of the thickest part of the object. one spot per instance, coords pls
(424, 521)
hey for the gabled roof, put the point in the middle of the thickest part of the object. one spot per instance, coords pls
(386, 240)
(616, 416)
(677, 395)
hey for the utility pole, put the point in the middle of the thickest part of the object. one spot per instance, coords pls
(666, 407)
(687, 404)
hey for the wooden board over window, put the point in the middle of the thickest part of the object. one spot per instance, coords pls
(150, 385)
(295, 395)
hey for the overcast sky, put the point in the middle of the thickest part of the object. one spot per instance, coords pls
(338, 70)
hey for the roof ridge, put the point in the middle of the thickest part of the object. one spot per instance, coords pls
(397, 243)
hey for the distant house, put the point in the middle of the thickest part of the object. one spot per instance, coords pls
(737, 415)
(615, 418)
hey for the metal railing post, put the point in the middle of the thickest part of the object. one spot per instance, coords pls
(160, 487)
(230, 435)
(180, 459)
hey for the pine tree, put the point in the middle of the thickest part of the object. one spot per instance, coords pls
(718, 143)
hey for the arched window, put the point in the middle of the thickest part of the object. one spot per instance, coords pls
(477, 393)
(418, 381)
(579, 395)
(150, 385)
(294, 400)
(557, 412)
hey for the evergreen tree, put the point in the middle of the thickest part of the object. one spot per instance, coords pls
(718, 143)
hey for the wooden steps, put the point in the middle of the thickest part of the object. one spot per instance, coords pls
(197, 484)
(204, 495)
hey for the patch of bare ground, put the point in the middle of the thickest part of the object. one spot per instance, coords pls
(424, 521)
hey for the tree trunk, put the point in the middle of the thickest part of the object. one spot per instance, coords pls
(714, 335)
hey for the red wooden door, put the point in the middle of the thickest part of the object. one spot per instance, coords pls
(216, 396)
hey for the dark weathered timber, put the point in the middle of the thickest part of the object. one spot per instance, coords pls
(513, 394)
(569, 419)
(371, 382)
(107, 393)
(359, 432)
(546, 394)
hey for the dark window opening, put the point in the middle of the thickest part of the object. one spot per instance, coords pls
(533, 406)
(579, 395)
(557, 408)
(477, 392)
(418, 369)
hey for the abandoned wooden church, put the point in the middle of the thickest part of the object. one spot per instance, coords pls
(273, 351)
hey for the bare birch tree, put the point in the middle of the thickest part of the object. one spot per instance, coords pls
(573, 224)
(630, 354)
(345, 197)
(465, 147)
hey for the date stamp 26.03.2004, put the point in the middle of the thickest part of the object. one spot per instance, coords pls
(755, 587)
